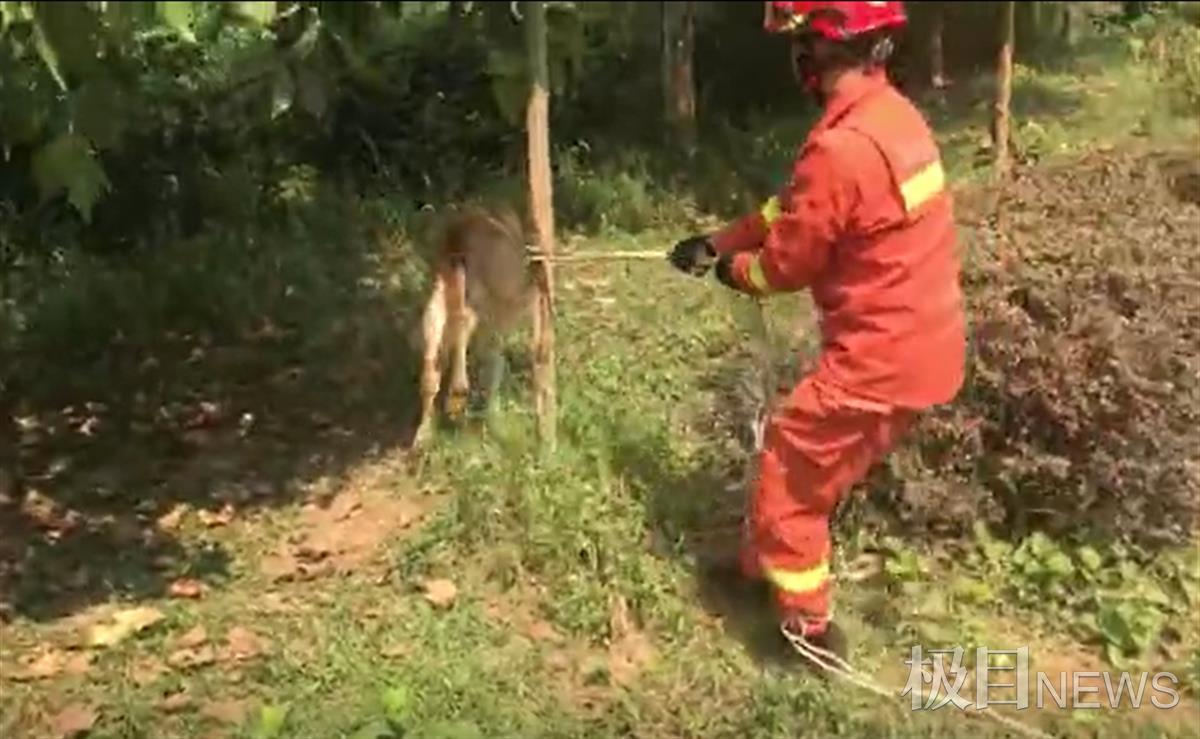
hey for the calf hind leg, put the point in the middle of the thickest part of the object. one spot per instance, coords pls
(460, 387)
(433, 328)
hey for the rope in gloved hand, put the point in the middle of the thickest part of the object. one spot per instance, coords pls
(751, 316)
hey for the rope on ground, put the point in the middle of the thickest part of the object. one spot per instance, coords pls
(823, 658)
(835, 665)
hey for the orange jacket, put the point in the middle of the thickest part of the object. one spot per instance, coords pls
(867, 223)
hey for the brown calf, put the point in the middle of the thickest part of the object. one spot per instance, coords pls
(482, 282)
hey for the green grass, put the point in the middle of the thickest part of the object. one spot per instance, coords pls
(547, 551)
(637, 492)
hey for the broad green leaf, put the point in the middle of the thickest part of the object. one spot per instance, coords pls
(397, 704)
(1058, 564)
(179, 16)
(271, 720)
(67, 38)
(98, 110)
(257, 12)
(68, 164)
(1089, 558)
(11, 12)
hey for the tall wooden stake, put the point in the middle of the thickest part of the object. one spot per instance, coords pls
(678, 81)
(541, 207)
(937, 57)
(1004, 71)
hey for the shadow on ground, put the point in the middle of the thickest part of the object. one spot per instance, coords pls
(254, 386)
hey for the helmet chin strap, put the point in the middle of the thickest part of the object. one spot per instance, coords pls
(805, 71)
(808, 73)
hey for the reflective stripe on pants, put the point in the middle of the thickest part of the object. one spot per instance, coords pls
(816, 448)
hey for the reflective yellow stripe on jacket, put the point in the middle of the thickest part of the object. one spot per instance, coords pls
(756, 277)
(923, 186)
(799, 581)
(770, 211)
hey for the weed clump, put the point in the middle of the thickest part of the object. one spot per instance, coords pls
(1083, 391)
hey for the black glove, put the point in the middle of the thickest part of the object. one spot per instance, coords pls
(724, 272)
(694, 255)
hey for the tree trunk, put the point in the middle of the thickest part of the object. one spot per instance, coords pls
(678, 80)
(1004, 70)
(541, 211)
(937, 58)
(1133, 11)
(11, 491)
(1069, 28)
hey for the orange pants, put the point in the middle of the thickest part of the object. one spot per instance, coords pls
(817, 446)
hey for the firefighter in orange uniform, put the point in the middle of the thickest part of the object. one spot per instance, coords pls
(866, 224)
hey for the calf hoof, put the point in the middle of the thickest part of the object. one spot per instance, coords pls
(422, 436)
(456, 404)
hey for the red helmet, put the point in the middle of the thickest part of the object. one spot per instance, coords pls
(836, 21)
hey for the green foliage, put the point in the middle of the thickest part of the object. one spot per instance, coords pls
(179, 15)
(1103, 590)
(270, 722)
(1172, 51)
(67, 164)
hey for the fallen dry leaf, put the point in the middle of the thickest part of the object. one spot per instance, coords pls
(280, 567)
(541, 631)
(227, 712)
(242, 644)
(192, 639)
(183, 659)
(628, 657)
(78, 664)
(171, 520)
(186, 587)
(145, 671)
(344, 506)
(74, 720)
(440, 593)
(49, 664)
(213, 519)
(176, 702)
(123, 625)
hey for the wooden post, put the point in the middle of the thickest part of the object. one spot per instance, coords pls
(937, 57)
(10, 445)
(1004, 71)
(678, 79)
(541, 211)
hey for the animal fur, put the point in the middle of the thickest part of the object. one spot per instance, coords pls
(483, 285)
